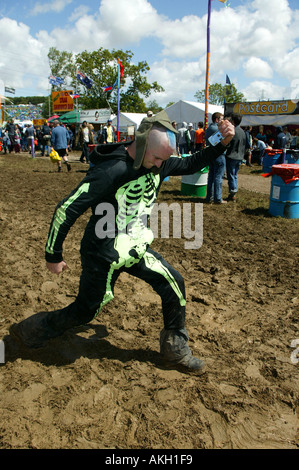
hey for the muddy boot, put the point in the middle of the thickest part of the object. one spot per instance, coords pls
(176, 352)
(34, 331)
(231, 197)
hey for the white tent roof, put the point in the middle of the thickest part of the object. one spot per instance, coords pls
(128, 119)
(191, 111)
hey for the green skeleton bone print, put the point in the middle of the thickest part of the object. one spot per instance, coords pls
(135, 202)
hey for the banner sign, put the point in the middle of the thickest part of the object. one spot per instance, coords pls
(62, 101)
(259, 108)
(39, 122)
(95, 116)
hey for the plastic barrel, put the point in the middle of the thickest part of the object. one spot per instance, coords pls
(271, 157)
(196, 184)
(284, 195)
(91, 147)
(292, 156)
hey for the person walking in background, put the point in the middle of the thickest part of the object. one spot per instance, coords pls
(59, 138)
(191, 145)
(280, 140)
(109, 136)
(70, 139)
(183, 140)
(17, 139)
(198, 137)
(30, 135)
(10, 127)
(216, 167)
(46, 139)
(85, 138)
(234, 155)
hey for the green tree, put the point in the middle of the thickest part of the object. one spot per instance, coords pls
(101, 67)
(153, 106)
(218, 92)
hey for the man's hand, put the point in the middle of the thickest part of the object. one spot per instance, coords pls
(227, 130)
(57, 268)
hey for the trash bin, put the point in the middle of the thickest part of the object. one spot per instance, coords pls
(91, 147)
(196, 184)
(292, 156)
(284, 195)
(271, 157)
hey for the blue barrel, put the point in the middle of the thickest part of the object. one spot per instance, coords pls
(271, 157)
(292, 156)
(284, 195)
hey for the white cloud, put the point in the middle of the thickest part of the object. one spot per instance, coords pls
(178, 79)
(128, 22)
(81, 10)
(256, 40)
(257, 68)
(263, 90)
(21, 70)
(56, 5)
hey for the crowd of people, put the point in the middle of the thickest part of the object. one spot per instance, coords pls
(16, 138)
(247, 147)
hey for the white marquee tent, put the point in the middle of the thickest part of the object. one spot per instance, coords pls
(191, 111)
(128, 120)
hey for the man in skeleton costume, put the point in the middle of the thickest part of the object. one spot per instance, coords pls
(126, 177)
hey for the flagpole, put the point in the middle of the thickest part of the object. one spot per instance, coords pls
(207, 67)
(118, 99)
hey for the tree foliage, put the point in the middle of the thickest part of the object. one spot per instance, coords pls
(101, 67)
(218, 92)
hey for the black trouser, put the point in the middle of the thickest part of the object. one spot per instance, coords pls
(97, 285)
(85, 152)
(12, 142)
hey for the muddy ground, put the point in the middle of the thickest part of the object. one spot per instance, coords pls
(102, 386)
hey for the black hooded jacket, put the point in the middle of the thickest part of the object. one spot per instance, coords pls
(118, 196)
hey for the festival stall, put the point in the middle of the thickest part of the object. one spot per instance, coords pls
(266, 113)
(191, 111)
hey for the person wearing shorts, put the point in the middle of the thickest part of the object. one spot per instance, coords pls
(59, 139)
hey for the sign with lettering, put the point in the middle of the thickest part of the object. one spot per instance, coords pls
(259, 108)
(62, 102)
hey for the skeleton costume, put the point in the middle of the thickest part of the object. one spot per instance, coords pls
(120, 186)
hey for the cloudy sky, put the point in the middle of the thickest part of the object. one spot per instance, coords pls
(254, 42)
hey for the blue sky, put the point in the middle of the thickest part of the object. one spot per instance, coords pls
(254, 42)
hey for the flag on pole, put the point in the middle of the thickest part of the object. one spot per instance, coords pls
(225, 2)
(74, 96)
(56, 81)
(227, 88)
(121, 67)
(9, 90)
(110, 88)
(84, 79)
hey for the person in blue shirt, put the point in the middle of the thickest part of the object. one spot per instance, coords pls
(261, 146)
(59, 140)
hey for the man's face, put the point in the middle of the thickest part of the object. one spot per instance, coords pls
(159, 149)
